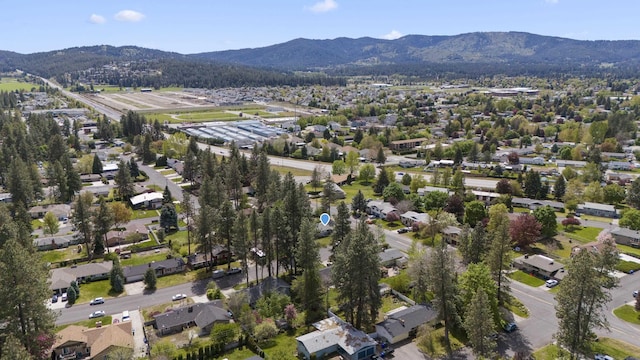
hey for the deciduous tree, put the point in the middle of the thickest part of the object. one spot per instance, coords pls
(367, 173)
(547, 219)
(51, 224)
(525, 230)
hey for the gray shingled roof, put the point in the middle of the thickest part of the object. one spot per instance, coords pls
(408, 319)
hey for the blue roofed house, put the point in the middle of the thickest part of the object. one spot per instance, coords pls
(334, 335)
(596, 209)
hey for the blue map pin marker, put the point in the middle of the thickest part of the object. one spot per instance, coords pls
(325, 218)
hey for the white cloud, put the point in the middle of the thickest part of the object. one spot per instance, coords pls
(97, 19)
(324, 6)
(129, 16)
(394, 34)
(552, 1)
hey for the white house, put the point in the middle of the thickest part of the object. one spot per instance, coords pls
(380, 208)
(147, 200)
(411, 217)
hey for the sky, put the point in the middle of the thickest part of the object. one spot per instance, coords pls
(194, 26)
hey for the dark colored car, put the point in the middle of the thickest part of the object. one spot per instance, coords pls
(510, 327)
(54, 299)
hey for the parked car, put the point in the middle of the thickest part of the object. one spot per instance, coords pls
(234, 270)
(403, 230)
(178, 297)
(97, 301)
(510, 327)
(635, 293)
(602, 357)
(97, 314)
(63, 297)
(54, 299)
(218, 274)
(551, 283)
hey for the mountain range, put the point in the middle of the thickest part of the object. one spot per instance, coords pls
(490, 51)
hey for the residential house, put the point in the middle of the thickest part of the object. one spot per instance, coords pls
(338, 193)
(340, 179)
(79, 342)
(219, 255)
(411, 217)
(6, 198)
(451, 235)
(109, 171)
(392, 257)
(594, 246)
(380, 208)
(323, 230)
(427, 189)
(540, 265)
(571, 163)
(619, 165)
(88, 178)
(538, 160)
(116, 237)
(61, 211)
(533, 204)
(267, 285)
(406, 145)
(404, 322)
(162, 268)
(98, 190)
(55, 242)
(147, 201)
(334, 335)
(62, 277)
(486, 196)
(202, 315)
(625, 236)
(596, 209)
(612, 176)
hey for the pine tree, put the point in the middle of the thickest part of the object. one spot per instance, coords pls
(24, 311)
(355, 275)
(13, 349)
(103, 221)
(309, 286)
(342, 225)
(96, 168)
(83, 219)
(441, 275)
(150, 279)
(241, 243)
(124, 183)
(358, 204)
(559, 188)
(116, 277)
(633, 194)
(71, 295)
(498, 256)
(477, 318)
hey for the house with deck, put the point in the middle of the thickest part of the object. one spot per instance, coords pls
(335, 336)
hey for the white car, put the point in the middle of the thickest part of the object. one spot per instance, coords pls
(97, 301)
(551, 283)
(97, 314)
(602, 357)
(234, 270)
(178, 297)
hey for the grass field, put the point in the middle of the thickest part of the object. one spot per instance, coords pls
(614, 348)
(629, 250)
(13, 84)
(294, 171)
(526, 279)
(628, 313)
(144, 214)
(94, 289)
(137, 259)
(90, 323)
(69, 253)
(433, 343)
(582, 234)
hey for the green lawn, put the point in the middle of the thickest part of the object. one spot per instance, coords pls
(615, 348)
(70, 253)
(324, 242)
(286, 169)
(629, 250)
(582, 234)
(94, 289)
(13, 84)
(90, 323)
(628, 313)
(144, 214)
(516, 307)
(281, 343)
(433, 343)
(177, 279)
(137, 259)
(352, 190)
(526, 279)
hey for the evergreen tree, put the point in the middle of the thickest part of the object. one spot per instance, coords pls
(498, 256)
(533, 185)
(13, 349)
(82, 219)
(96, 168)
(381, 182)
(71, 295)
(559, 188)
(355, 275)
(166, 195)
(308, 286)
(477, 317)
(441, 275)
(241, 242)
(358, 204)
(24, 312)
(73, 181)
(581, 303)
(633, 194)
(266, 233)
(150, 279)
(473, 244)
(168, 217)
(342, 225)
(124, 183)
(103, 221)
(116, 277)
(381, 158)
(188, 211)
